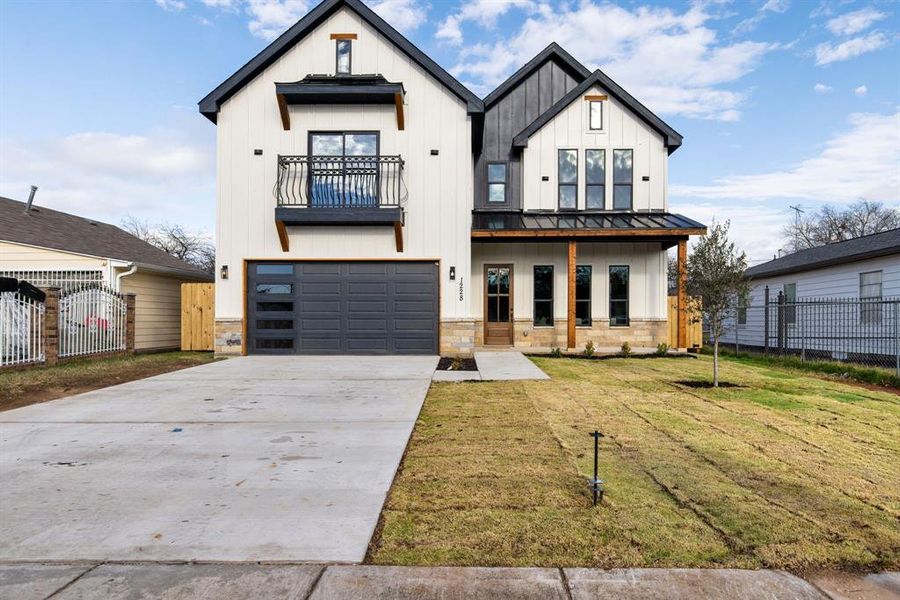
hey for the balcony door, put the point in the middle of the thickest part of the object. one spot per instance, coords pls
(498, 309)
(343, 169)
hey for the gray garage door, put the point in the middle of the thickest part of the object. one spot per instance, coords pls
(342, 308)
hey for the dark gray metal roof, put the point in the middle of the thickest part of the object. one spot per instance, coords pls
(536, 221)
(209, 106)
(554, 50)
(869, 246)
(340, 89)
(47, 228)
(671, 137)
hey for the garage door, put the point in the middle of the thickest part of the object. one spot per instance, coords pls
(342, 308)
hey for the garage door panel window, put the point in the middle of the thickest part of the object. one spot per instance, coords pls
(274, 288)
(281, 269)
(274, 343)
(274, 324)
(274, 306)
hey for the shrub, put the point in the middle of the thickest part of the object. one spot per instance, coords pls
(556, 352)
(662, 348)
(626, 349)
(589, 348)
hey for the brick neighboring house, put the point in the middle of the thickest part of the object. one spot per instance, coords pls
(51, 248)
(369, 203)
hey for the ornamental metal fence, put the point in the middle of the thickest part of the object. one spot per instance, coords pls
(861, 331)
(91, 321)
(21, 330)
(66, 280)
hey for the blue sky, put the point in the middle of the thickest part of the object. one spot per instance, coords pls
(780, 101)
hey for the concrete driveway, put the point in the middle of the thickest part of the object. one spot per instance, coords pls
(255, 458)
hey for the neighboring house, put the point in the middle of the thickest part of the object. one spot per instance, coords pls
(841, 285)
(369, 203)
(51, 248)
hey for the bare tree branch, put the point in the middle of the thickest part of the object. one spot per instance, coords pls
(191, 247)
(832, 224)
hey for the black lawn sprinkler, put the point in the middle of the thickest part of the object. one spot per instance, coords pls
(596, 484)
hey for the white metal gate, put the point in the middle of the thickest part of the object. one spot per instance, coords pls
(91, 321)
(21, 329)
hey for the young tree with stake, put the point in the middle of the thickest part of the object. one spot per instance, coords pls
(715, 277)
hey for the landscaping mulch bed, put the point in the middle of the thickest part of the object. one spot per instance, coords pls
(456, 364)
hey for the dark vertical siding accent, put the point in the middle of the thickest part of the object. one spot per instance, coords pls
(510, 115)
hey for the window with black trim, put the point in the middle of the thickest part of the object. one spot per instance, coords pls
(343, 52)
(343, 170)
(618, 295)
(623, 178)
(595, 112)
(543, 295)
(595, 179)
(583, 294)
(567, 173)
(497, 180)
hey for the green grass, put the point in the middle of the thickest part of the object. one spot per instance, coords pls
(787, 471)
(38, 384)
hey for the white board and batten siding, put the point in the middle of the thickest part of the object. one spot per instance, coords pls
(439, 188)
(622, 130)
(647, 275)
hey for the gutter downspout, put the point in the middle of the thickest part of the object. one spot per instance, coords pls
(119, 276)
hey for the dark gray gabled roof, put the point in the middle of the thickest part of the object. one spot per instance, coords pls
(209, 106)
(861, 248)
(552, 52)
(47, 228)
(671, 137)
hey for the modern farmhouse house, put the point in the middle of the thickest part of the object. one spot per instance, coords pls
(369, 203)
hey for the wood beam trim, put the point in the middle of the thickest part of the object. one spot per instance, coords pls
(343, 36)
(283, 109)
(570, 302)
(570, 233)
(398, 235)
(596, 98)
(282, 235)
(682, 294)
(398, 102)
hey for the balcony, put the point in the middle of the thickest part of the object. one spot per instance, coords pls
(340, 190)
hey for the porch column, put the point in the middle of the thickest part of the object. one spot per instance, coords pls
(570, 305)
(682, 294)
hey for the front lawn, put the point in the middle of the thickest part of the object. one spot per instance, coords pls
(788, 471)
(38, 384)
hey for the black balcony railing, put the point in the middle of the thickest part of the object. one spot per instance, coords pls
(340, 181)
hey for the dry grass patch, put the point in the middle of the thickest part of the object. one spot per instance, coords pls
(784, 471)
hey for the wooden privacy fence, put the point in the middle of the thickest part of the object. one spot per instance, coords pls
(197, 316)
(694, 324)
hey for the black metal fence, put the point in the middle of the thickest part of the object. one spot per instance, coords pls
(339, 181)
(863, 331)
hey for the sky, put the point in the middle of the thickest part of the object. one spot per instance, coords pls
(781, 102)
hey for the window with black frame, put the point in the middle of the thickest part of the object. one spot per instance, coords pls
(567, 173)
(343, 169)
(623, 179)
(496, 177)
(595, 108)
(343, 51)
(543, 296)
(595, 179)
(618, 295)
(583, 295)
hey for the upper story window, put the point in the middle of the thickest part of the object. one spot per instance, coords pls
(567, 172)
(870, 295)
(343, 169)
(595, 179)
(595, 115)
(623, 179)
(496, 181)
(343, 50)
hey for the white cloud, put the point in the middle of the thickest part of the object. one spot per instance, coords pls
(771, 6)
(403, 15)
(755, 226)
(270, 18)
(862, 162)
(162, 175)
(668, 59)
(483, 12)
(861, 91)
(828, 52)
(821, 88)
(171, 5)
(854, 22)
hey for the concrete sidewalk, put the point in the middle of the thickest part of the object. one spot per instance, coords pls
(233, 581)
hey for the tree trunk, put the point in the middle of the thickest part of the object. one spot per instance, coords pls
(716, 362)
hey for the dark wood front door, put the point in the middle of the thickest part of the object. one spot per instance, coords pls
(498, 305)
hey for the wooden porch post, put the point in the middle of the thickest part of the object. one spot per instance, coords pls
(682, 294)
(570, 305)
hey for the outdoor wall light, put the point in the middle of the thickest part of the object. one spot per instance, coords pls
(224, 271)
(452, 273)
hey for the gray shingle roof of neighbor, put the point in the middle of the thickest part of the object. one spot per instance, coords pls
(671, 138)
(209, 106)
(47, 228)
(869, 246)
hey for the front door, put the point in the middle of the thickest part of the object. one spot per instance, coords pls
(498, 310)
